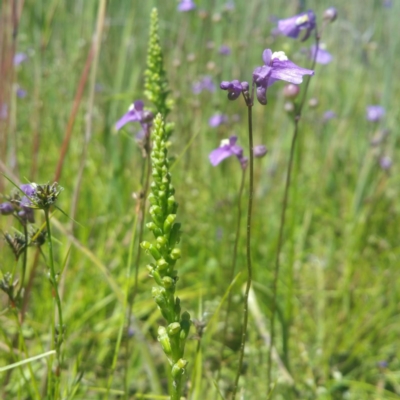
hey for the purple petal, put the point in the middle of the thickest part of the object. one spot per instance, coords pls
(219, 154)
(28, 189)
(289, 71)
(130, 116)
(267, 54)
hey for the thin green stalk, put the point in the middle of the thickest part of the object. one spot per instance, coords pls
(248, 251)
(297, 118)
(145, 175)
(57, 333)
(233, 267)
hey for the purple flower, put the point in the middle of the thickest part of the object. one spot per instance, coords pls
(227, 149)
(136, 113)
(329, 115)
(6, 208)
(385, 162)
(21, 93)
(375, 113)
(292, 26)
(225, 50)
(234, 88)
(19, 58)
(323, 56)
(186, 5)
(206, 83)
(259, 151)
(277, 67)
(217, 120)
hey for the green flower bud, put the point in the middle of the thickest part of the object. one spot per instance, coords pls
(178, 368)
(168, 223)
(168, 282)
(174, 328)
(162, 264)
(161, 241)
(163, 338)
(175, 254)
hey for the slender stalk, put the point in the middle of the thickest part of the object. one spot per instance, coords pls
(57, 333)
(285, 201)
(145, 176)
(248, 251)
(233, 267)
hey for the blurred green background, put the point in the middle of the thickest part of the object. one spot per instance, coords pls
(338, 301)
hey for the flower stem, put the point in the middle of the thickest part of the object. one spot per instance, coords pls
(57, 334)
(248, 251)
(297, 118)
(233, 266)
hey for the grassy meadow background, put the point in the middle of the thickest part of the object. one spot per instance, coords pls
(338, 322)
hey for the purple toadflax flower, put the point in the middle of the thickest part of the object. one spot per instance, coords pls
(227, 149)
(328, 115)
(292, 26)
(206, 83)
(225, 50)
(136, 113)
(217, 120)
(385, 162)
(186, 5)
(277, 67)
(234, 88)
(323, 56)
(19, 58)
(375, 113)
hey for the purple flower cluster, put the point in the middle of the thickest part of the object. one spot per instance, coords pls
(22, 207)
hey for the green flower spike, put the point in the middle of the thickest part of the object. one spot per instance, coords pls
(165, 253)
(156, 82)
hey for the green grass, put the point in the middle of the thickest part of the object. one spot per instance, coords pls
(338, 301)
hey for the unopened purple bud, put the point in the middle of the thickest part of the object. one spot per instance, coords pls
(21, 93)
(6, 208)
(19, 58)
(330, 14)
(259, 151)
(244, 161)
(291, 91)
